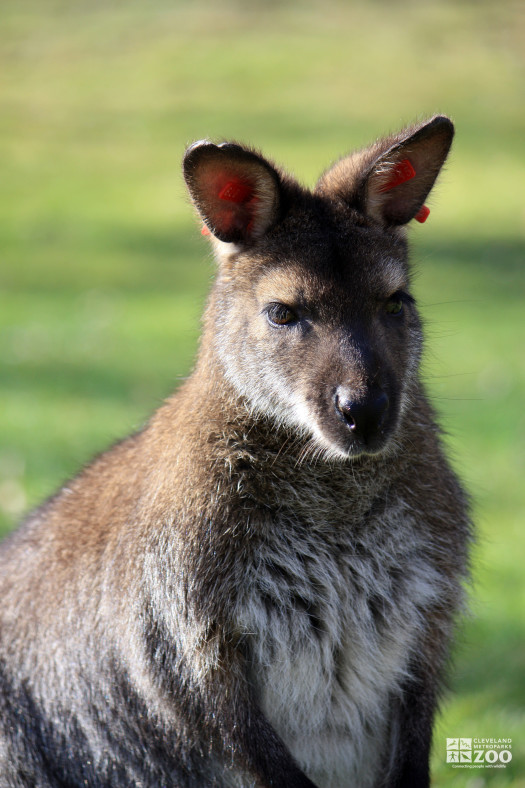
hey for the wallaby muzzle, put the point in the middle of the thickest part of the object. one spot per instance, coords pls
(364, 416)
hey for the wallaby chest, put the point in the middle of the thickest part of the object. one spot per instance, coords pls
(331, 612)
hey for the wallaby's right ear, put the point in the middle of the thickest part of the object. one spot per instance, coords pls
(235, 190)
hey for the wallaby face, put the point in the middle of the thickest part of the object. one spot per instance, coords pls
(323, 335)
(259, 588)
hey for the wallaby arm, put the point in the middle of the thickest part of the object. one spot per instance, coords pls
(414, 718)
(244, 732)
(263, 754)
(200, 657)
(238, 731)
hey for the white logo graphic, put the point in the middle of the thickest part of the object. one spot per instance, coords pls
(479, 753)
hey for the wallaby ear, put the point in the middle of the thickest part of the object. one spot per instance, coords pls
(397, 184)
(391, 180)
(235, 190)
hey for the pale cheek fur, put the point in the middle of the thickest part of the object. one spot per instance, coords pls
(274, 396)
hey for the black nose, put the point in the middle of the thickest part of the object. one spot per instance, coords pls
(364, 416)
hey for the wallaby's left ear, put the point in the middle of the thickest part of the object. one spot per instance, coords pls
(398, 182)
(391, 180)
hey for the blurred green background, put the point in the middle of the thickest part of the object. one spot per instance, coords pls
(103, 272)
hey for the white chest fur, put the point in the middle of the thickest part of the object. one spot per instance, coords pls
(332, 620)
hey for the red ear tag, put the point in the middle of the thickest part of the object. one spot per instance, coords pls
(236, 191)
(422, 215)
(402, 172)
(205, 230)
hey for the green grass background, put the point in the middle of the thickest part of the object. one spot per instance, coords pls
(103, 272)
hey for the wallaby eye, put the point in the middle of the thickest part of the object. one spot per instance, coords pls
(395, 305)
(280, 315)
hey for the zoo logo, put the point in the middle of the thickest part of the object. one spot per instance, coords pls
(462, 753)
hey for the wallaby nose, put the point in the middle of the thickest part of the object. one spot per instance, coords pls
(364, 416)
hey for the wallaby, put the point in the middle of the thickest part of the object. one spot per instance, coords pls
(260, 587)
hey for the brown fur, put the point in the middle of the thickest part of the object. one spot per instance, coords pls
(259, 588)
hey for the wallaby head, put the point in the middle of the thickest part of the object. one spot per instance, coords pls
(311, 316)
